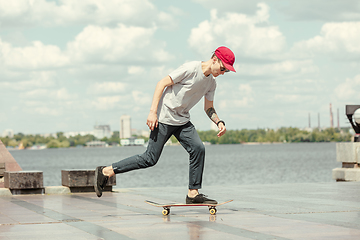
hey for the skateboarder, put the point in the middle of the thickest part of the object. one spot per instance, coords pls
(173, 98)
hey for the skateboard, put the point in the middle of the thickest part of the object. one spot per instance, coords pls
(166, 210)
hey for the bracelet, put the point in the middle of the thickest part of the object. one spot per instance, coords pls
(221, 121)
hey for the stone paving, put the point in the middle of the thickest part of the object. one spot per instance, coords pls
(279, 211)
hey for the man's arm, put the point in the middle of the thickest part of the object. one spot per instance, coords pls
(152, 120)
(210, 111)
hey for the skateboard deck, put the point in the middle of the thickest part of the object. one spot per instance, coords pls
(166, 207)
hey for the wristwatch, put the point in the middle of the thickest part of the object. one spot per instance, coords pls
(220, 122)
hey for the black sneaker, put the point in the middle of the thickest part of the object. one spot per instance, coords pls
(200, 198)
(100, 181)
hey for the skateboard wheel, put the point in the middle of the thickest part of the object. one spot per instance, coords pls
(212, 211)
(165, 211)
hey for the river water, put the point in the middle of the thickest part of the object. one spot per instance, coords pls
(225, 164)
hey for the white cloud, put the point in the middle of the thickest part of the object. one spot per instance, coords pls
(141, 98)
(107, 87)
(28, 81)
(309, 10)
(47, 111)
(242, 97)
(63, 94)
(245, 89)
(67, 12)
(289, 98)
(122, 44)
(243, 102)
(107, 103)
(247, 36)
(240, 6)
(95, 45)
(246, 96)
(37, 56)
(60, 94)
(276, 69)
(38, 79)
(136, 70)
(176, 11)
(35, 106)
(349, 90)
(340, 40)
(38, 93)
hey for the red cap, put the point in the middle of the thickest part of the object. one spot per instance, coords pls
(226, 56)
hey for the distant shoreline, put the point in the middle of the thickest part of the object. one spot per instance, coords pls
(261, 143)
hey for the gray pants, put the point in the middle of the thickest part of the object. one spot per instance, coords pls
(188, 138)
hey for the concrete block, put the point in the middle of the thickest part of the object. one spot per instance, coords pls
(338, 174)
(346, 174)
(24, 179)
(348, 152)
(82, 180)
(24, 182)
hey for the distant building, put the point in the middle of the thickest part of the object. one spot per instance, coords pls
(8, 133)
(97, 144)
(125, 126)
(82, 133)
(132, 142)
(101, 131)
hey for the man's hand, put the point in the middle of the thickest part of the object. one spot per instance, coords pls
(210, 111)
(222, 129)
(152, 120)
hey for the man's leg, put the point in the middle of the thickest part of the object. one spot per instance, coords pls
(158, 137)
(190, 140)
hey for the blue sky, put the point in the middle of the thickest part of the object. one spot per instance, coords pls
(68, 65)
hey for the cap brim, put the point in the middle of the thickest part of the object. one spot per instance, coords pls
(229, 67)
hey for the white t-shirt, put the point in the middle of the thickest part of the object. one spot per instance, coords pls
(190, 85)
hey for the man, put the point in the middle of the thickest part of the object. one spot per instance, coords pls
(173, 98)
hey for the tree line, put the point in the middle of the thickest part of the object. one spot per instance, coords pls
(60, 141)
(283, 135)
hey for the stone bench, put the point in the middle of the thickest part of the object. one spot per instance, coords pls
(82, 180)
(348, 154)
(346, 174)
(24, 182)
